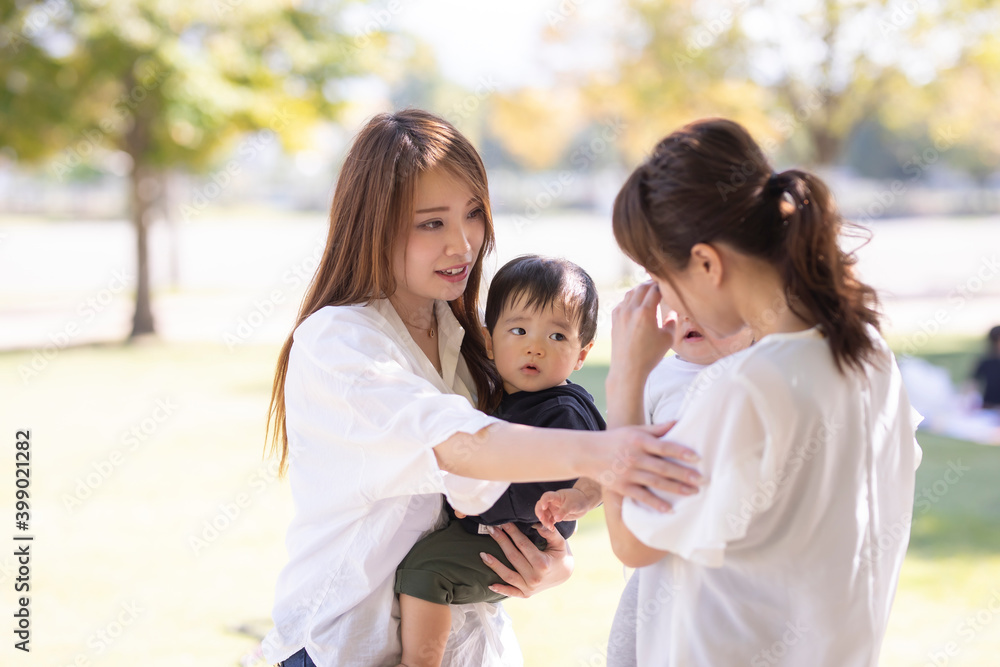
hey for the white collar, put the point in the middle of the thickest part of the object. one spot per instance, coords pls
(449, 339)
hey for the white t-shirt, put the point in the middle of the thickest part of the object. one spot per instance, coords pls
(663, 395)
(666, 388)
(791, 554)
(365, 407)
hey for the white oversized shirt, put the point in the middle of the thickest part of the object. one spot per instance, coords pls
(791, 554)
(365, 407)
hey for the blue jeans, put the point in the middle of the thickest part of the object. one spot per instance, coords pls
(300, 659)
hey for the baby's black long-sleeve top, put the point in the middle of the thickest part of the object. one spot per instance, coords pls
(563, 406)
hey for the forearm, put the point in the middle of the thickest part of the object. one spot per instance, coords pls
(517, 453)
(626, 546)
(591, 490)
(625, 398)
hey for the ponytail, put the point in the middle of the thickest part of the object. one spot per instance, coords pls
(820, 284)
(710, 182)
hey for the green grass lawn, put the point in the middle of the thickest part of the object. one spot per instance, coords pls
(127, 568)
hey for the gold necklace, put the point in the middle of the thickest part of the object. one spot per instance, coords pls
(430, 332)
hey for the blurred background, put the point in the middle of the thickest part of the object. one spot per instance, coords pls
(165, 172)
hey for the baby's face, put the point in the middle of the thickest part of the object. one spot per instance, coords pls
(534, 348)
(700, 347)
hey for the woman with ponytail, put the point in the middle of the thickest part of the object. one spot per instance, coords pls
(374, 408)
(791, 553)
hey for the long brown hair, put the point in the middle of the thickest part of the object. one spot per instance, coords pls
(710, 182)
(369, 217)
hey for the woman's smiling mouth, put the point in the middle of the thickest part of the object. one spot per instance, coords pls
(454, 274)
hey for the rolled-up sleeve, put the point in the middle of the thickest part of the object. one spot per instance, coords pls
(355, 390)
(731, 443)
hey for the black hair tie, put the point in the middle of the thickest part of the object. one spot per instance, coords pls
(776, 188)
(773, 182)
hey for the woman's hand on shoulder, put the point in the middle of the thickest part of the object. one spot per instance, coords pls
(640, 461)
(534, 570)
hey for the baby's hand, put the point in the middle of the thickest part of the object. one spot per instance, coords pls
(562, 505)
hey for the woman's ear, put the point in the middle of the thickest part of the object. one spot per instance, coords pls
(706, 263)
(489, 342)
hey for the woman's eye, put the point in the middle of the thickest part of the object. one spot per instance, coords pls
(431, 224)
(518, 331)
(557, 336)
(477, 213)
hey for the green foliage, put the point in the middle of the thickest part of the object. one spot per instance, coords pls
(802, 77)
(674, 66)
(168, 83)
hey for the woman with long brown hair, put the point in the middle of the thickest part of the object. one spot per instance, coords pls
(791, 553)
(374, 407)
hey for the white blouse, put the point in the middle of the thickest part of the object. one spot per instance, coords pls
(365, 407)
(791, 553)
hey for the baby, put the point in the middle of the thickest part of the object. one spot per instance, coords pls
(541, 317)
(669, 382)
(666, 387)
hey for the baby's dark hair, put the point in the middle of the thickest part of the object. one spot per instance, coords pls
(540, 282)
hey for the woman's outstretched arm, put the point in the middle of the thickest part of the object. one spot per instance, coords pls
(627, 459)
(630, 460)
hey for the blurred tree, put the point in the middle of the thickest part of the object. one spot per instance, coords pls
(536, 126)
(952, 98)
(671, 66)
(154, 85)
(415, 80)
(823, 63)
(800, 76)
(873, 152)
(967, 113)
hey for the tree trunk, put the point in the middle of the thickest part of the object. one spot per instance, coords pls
(143, 195)
(826, 146)
(142, 321)
(166, 211)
